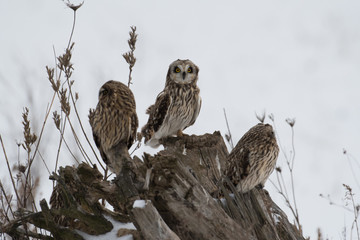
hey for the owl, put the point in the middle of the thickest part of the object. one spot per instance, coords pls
(253, 159)
(114, 123)
(177, 106)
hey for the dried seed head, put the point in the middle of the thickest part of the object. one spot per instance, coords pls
(22, 168)
(291, 121)
(348, 188)
(56, 118)
(64, 62)
(261, 117)
(65, 106)
(227, 137)
(30, 138)
(271, 116)
(129, 56)
(73, 6)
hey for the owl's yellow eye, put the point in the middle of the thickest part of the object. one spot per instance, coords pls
(190, 70)
(177, 70)
(103, 92)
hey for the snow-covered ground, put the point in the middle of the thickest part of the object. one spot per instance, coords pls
(291, 58)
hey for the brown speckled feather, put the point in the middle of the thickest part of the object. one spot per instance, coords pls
(253, 159)
(177, 106)
(157, 113)
(114, 123)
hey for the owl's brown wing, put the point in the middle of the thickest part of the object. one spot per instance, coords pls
(160, 110)
(98, 145)
(238, 164)
(134, 125)
(196, 112)
(157, 113)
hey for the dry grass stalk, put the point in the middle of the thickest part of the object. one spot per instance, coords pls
(290, 160)
(228, 136)
(349, 196)
(129, 56)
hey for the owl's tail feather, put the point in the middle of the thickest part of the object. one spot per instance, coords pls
(117, 157)
(126, 179)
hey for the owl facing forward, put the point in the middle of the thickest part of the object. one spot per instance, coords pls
(177, 106)
(114, 123)
(253, 159)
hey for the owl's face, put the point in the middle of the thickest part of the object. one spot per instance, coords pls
(106, 91)
(183, 72)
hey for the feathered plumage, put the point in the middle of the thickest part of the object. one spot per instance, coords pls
(253, 159)
(114, 123)
(177, 106)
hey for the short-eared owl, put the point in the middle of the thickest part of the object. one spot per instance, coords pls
(114, 123)
(177, 106)
(253, 159)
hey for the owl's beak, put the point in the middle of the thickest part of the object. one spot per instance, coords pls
(184, 74)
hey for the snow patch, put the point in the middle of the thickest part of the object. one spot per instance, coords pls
(184, 151)
(275, 216)
(218, 162)
(113, 233)
(139, 204)
(201, 163)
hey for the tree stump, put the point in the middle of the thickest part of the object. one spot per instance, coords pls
(176, 186)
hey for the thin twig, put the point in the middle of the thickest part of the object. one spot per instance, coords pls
(9, 170)
(228, 137)
(290, 161)
(42, 158)
(291, 172)
(350, 158)
(41, 132)
(7, 201)
(129, 56)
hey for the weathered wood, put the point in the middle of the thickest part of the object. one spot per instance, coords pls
(179, 181)
(186, 206)
(151, 224)
(205, 156)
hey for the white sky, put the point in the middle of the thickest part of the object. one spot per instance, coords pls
(293, 59)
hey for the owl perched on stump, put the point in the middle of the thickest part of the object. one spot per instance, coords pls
(177, 106)
(253, 159)
(114, 123)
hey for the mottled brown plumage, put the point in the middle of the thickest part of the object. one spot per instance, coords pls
(253, 159)
(114, 123)
(177, 106)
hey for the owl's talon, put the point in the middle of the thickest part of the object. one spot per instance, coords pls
(179, 133)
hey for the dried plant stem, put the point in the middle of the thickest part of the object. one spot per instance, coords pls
(138, 145)
(349, 159)
(72, 30)
(129, 56)
(349, 195)
(73, 101)
(7, 201)
(290, 161)
(83, 130)
(43, 160)
(230, 140)
(78, 143)
(286, 198)
(60, 143)
(292, 176)
(356, 216)
(9, 170)
(42, 131)
(62, 139)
